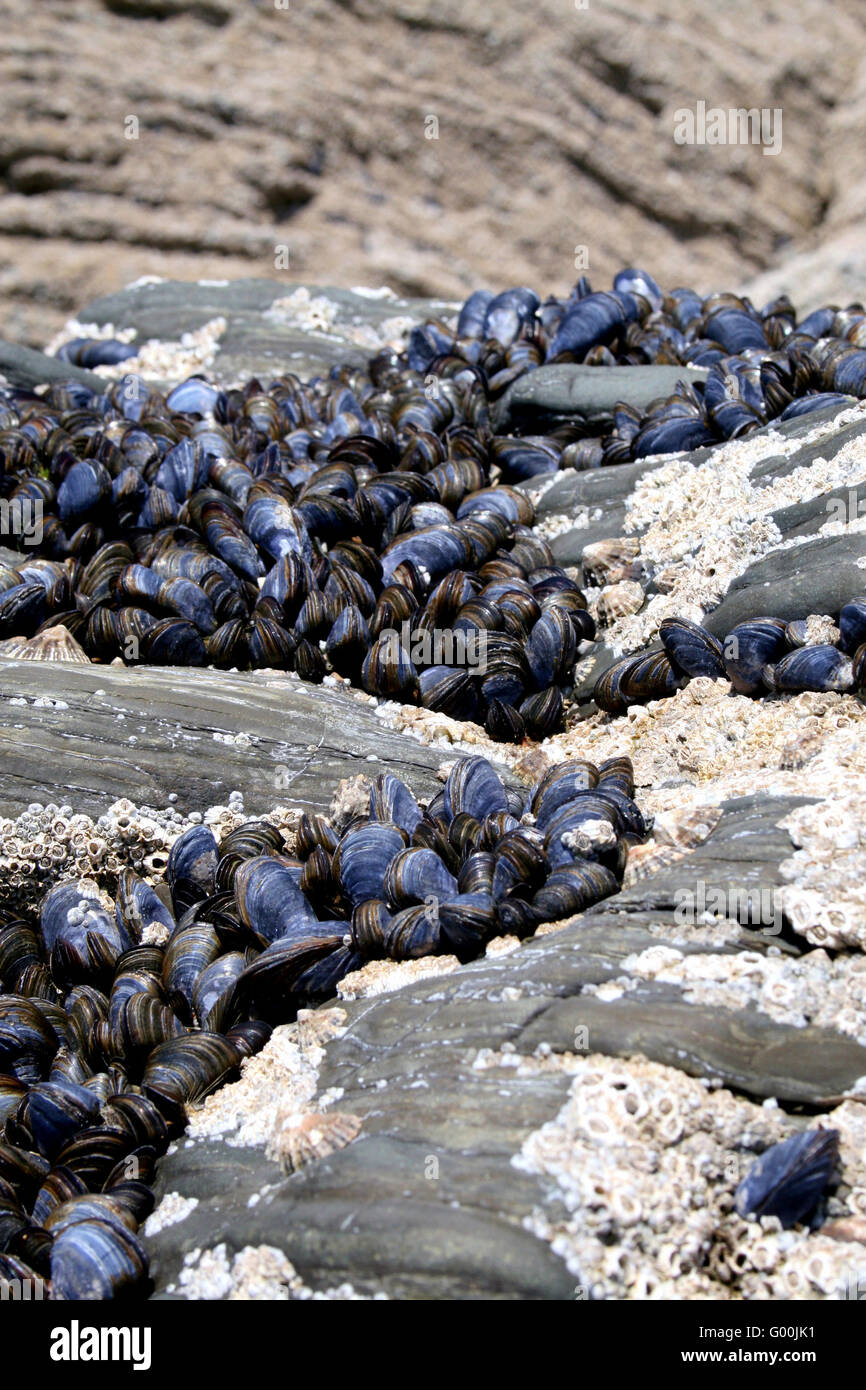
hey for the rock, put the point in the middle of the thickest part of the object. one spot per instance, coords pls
(96, 733)
(264, 335)
(215, 12)
(602, 491)
(549, 394)
(260, 127)
(23, 366)
(739, 858)
(608, 489)
(459, 1075)
(832, 270)
(818, 577)
(827, 445)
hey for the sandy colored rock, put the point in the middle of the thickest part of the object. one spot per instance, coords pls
(306, 127)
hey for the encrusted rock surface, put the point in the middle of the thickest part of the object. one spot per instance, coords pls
(465, 1082)
(253, 327)
(567, 1117)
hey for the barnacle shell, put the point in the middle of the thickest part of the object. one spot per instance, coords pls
(51, 644)
(302, 1140)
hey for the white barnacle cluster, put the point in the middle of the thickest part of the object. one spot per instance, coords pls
(48, 843)
(277, 1086)
(172, 1209)
(560, 523)
(707, 522)
(312, 313)
(382, 976)
(812, 988)
(257, 1273)
(724, 743)
(639, 1151)
(825, 890)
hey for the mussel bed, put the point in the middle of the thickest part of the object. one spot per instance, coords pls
(759, 656)
(366, 523)
(118, 1015)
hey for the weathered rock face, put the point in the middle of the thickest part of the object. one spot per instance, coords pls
(307, 126)
(103, 733)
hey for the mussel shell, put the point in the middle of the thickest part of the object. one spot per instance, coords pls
(590, 815)
(416, 875)
(56, 1111)
(309, 662)
(27, 1042)
(184, 1070)
(476, 873)
(789, 1178)
(190, 950)
(138, 907)
(315, 830)
(617, 772)
(19, 948)
(362, 859)
(466, 922)
(348, 642)
(559, 785)
(12, 1092)
(650, 677)
(270, 645)
(451, 691)
(607, 691)
(551, 648)
(249, 1036)
(521, 864)
(192, 864)
(370, 921)
(91, 1260)
(173, 642)
(270, 902)
(320, 980)
(387, 669)
(83, 939)
(138, 1119)
(473, 786)
(504, 723)
(572, 888)
(270, 982)
(213, 993)
(543, 713)
(817, 668)
(691, 649)
(392, 801)
(414, 932)
(140, 1022)
(852, 625)
(749, 648)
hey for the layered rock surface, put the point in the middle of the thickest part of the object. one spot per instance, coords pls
(194, 138)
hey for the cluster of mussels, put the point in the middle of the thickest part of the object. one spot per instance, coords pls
(344, 525)
(761, 363)
(364, 523)
(758, 656)
(112, 1023)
